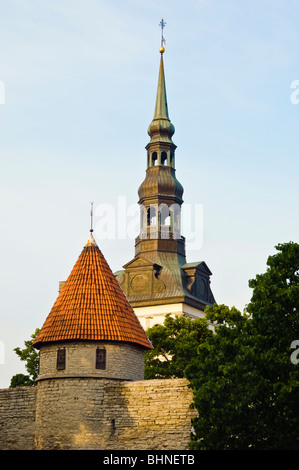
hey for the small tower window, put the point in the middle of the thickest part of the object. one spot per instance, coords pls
(164, 158)
(101, 358)
(164, 214)
(151, 216)
(112, 427)
(60, 363)
(154, 158)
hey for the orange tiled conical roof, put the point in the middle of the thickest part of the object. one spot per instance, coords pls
(91, 306)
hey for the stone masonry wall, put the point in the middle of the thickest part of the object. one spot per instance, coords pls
(148, 415)
(17, 418)
(123, 361)
(108, 414)
(88, 413)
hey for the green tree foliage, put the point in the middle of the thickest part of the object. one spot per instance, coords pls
(246, 386)
(31, 356)
(175, 344)
(21, 380)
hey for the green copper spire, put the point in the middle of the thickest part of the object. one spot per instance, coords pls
(161, 128)
(161, 109)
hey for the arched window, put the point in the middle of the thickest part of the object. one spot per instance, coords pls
(151, 216)
(176, 219)
(154, 158)
(164, 214)
(165, 221)
(163, 158)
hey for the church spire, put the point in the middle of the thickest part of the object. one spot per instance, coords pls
(160, 194)
(160, 149)
(161, 109)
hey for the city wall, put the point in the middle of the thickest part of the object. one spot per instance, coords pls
(88, 413)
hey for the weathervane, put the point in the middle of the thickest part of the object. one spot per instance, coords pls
(162, 26)
(91, 217)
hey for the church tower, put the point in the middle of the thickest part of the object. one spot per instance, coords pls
(159, 280)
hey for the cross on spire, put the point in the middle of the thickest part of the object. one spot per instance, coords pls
(162, 26)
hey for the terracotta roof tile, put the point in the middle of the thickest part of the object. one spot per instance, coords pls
(91, 306)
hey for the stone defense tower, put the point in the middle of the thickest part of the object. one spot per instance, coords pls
(159, 280)
(91, 334)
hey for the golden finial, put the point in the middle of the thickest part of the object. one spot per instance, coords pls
(162, 25)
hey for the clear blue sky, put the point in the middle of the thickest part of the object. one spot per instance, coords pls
(80, 81)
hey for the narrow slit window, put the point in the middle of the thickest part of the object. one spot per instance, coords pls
(60, 364)
(112, 427)
(101, 358)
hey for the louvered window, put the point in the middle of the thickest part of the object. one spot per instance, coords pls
(101, 358)
(60, 364)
